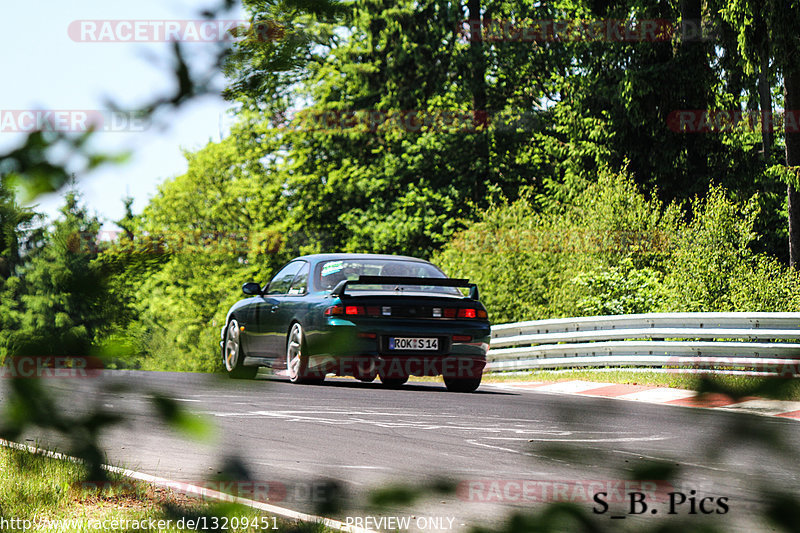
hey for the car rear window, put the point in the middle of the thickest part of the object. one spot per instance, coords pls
(330, 273)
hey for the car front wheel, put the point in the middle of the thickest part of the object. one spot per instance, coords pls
(232, 356)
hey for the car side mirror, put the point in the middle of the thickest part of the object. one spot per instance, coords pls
(251, 288)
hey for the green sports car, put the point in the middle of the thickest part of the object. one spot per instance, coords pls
(360, 315)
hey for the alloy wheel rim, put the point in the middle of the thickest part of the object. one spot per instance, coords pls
(294, 352)
(232, 346)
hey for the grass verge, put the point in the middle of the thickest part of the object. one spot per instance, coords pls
(39, 493)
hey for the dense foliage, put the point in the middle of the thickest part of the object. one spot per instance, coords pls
(616, 251)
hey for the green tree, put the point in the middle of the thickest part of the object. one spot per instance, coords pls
(284, 36)
(774, 44)
(403, 176)
(206, 232)
(61, 290)
(16, 231)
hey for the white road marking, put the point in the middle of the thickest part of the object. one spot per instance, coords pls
(764, 407)
(369, 419)
(518, 452)
(335, 413)
(569, 386)
(658, 395)
(605, 439)
(612, 439)
(356, 467)
(671, 460)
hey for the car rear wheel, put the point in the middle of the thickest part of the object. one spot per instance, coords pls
(297, 359)
(365, 370)
(233, 357)
(462, 384)
(394, 383)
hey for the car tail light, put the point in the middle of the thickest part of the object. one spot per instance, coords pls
(373, 311)
(356, 310)
(334, 310)
(461, 338)
(368, 335)
(467, 312)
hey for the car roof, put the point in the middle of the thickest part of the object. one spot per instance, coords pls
(315, 258)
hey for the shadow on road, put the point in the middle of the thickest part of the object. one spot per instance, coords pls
(377, 385)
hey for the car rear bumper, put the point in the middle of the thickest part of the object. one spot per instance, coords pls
(350, 350)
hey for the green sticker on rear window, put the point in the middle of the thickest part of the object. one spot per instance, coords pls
(332, 267)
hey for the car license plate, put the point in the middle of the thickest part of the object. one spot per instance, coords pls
(413, 343)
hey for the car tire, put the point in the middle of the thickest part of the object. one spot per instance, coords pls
(394, 383)
(233, 355)
(462, 384)
(365, 370)
(297, 359)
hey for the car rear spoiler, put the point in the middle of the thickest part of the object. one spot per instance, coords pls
(404, 280)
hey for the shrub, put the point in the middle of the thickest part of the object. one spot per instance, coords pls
(615, 251)
(619, 290)
(713, 267)
(534, 265)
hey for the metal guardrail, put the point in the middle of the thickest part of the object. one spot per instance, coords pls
(744, 341)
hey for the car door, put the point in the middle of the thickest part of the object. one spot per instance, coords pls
(290, 306)
(262, 326)
(285, 309)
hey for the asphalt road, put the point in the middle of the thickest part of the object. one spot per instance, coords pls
(506, 452)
